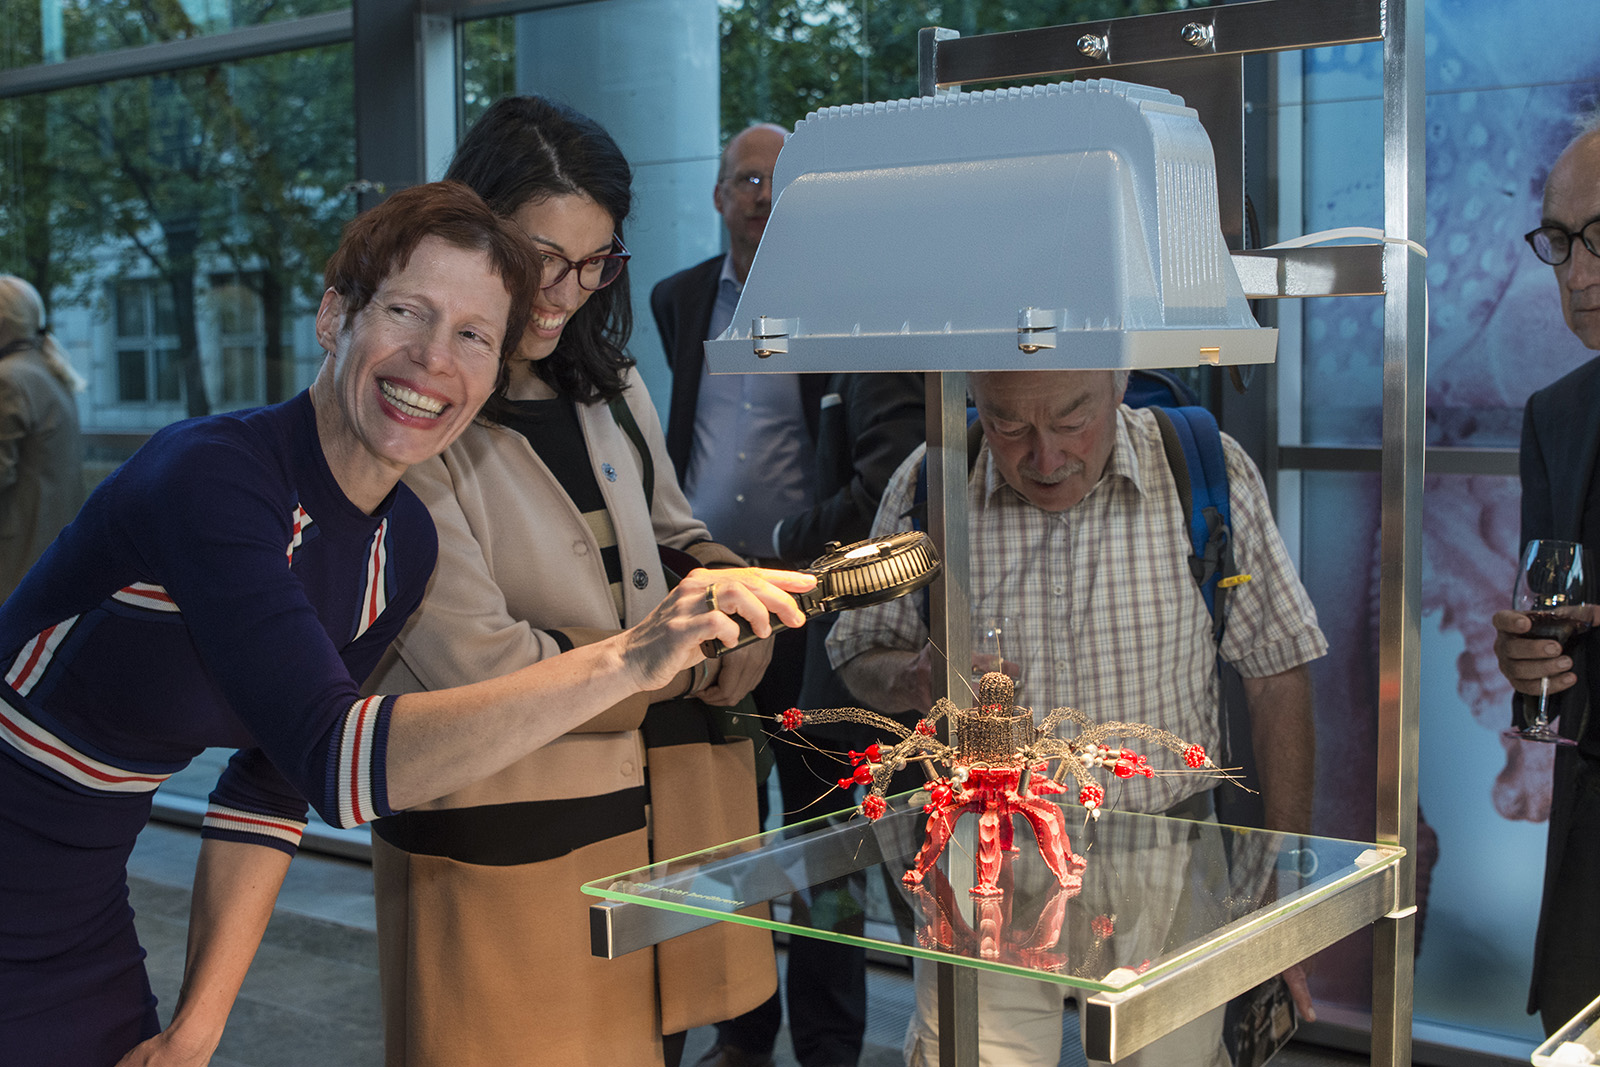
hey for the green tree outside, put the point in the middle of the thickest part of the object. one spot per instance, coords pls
(782, 59)
(174, 175)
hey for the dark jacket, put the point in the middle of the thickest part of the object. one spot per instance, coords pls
(682, 304)
(1560, 443)
(867, 425)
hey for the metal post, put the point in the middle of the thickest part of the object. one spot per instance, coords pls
(950, 610)
(928, 39)
(949, 627)
(1399, 606)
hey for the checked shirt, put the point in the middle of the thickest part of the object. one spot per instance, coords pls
(1109, 617)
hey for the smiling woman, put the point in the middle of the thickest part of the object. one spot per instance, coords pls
(405, 385)
(229, 586)
(554, 511)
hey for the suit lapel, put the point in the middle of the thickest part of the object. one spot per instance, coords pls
(1580, 443)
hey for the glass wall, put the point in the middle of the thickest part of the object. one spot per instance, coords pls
(50, 31)
(177, 225)
(1497, 116)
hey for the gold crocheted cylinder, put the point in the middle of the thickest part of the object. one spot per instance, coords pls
(996, 690)
(993, 738)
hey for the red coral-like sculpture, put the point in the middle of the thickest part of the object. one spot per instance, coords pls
(999, 767)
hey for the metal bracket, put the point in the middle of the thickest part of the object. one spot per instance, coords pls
(618, 927)
(769, 336)
(1036, 329)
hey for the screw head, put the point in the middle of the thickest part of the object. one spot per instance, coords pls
(1094, 45)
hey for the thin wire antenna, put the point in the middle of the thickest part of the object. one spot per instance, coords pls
(801, 741)
(820, 798)
(964, 680)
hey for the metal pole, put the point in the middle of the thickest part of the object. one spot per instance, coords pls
(949, 627)
(950, 613)
(1405, 376)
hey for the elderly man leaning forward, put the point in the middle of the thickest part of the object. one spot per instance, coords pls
(1560, 441)
(1077, 528)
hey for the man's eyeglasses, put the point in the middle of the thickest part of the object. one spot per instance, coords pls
(749, 184)
(1553, 244)
(594, 273)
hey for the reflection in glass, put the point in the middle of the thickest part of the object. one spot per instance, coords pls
(49, 31)
(1155, 890)
(1576, 1042)
(170, 219)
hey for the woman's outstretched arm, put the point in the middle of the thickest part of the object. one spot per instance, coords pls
(446, 739)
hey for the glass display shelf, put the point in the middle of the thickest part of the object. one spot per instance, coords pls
(1577, 1042)
(1173, 917)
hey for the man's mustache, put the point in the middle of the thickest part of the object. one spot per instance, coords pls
(1059, 475)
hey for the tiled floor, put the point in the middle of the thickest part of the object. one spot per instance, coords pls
(312, 995)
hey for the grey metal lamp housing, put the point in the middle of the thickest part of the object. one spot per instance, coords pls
(1063, 226)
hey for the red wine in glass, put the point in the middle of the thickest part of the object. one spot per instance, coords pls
(1552, 590)
(1553, 627)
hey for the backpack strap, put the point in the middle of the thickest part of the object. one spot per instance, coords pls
(1193, 444)
(623, 416)
(1151, 388)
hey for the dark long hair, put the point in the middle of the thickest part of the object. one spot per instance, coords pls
(527, 148)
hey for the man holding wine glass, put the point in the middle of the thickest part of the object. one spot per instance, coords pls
(1547, 666)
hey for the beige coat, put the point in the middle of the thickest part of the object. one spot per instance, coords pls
(491, 964)
(41, 462)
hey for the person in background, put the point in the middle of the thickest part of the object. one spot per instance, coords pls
(228, 586)
(554, 509)
(1560, 443)
(41, 452)
(1077, 528)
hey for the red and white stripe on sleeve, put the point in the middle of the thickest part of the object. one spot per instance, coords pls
(222, 817)
(37, 743)
(376, 597)
(357, 740)
(34, 659)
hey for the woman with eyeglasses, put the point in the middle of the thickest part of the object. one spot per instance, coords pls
(555, 511)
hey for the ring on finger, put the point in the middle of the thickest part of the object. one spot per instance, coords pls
(711, 597)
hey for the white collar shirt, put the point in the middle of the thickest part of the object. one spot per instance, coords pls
(752, 463)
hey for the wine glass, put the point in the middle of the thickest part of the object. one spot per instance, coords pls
(1551, 590)
(997, 646)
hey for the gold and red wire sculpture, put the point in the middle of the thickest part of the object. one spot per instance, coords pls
(999, 767)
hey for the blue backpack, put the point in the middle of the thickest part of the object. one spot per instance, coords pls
(1193, 445)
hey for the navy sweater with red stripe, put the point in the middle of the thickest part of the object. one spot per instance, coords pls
(218, 590)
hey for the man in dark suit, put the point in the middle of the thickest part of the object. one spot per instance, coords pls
(696, 304)
(1560, 441)
(781, 464)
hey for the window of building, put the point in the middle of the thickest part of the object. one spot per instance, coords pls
(148, 356)
(235, 301)
(50, 31)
